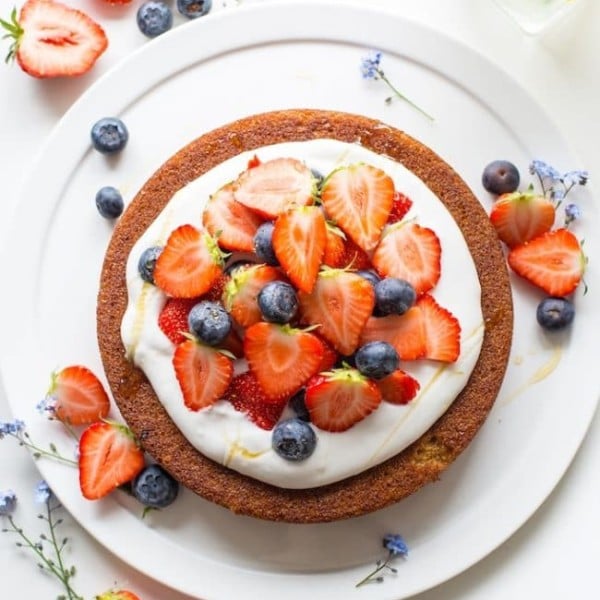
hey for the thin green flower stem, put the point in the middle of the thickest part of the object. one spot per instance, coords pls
(42, 452)
(401, 95)
(47, 563)
(66, 576)
(371, 576)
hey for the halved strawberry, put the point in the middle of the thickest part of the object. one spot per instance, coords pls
(54, 40)
(189, 264)
(400, 206)
(399, 387)
(341, 302)
(272, 187)
(79, 398)
(518, 217)
(553, 261)
(203, 373)
(330, 355)
(232, 223)
(427, 330)
(215, 294)
(173, 318)
(247, 396)
(282, 358)
(359, 199)
(299, 240)
(339, 399)
(411, 252)
(109, 456)
(241, 292)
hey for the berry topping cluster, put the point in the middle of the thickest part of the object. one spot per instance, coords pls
(320, 283)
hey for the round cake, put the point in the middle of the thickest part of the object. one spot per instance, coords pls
(217, 447)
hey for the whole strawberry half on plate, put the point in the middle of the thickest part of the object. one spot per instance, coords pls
(53, 40)
(553, 261)
(109, 456)
(520, 216)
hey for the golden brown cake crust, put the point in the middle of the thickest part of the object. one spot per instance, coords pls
(386, 483)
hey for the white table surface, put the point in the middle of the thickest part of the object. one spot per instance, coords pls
(555, 554)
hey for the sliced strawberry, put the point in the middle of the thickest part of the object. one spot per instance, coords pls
(189, 264)
(299, 240)
(203, 373)
(339, 399)
(400, 206)
(520, 216)
(282, 358)
(405, 332)
(79, 398)
(359, 199)
(410, 252)
(274, 186)
(330, 355)
(355, 257)
(173, 318)
(442, 331)
(341, 302)
(553, 261)
(232, 223)
(399, 387)
(334, 253)
(109, 456)
(247, 396)
(427, 330)
(54, 40)
(241, 292)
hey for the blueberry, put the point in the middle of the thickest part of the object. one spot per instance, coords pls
(370, 276)
(294, 439)
(192, 9)
(394, 296)
(147, 262)
(500, 177)
(263, 244)
(555, 313)
(109, 202)
(109, 135)
(298, 405)
(278, 302)
(209, 322)
(377, 360)
(154, 487)
(154, 18)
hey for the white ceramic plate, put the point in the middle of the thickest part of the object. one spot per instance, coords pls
(207, 73)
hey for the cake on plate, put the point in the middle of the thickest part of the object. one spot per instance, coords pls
(304, 315)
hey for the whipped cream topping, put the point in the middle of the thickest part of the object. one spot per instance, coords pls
(228, 436)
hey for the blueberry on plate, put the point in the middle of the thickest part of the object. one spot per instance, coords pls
(192, 9)
(154, 487)
(555, 313)
(263, 244)
(293, 439)
(394, 296)
(154, 18)
(278, 302)
(109, 135)
(500, 177)
(377, 360)
(209, 322)
(109, 202)
(147, 262)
